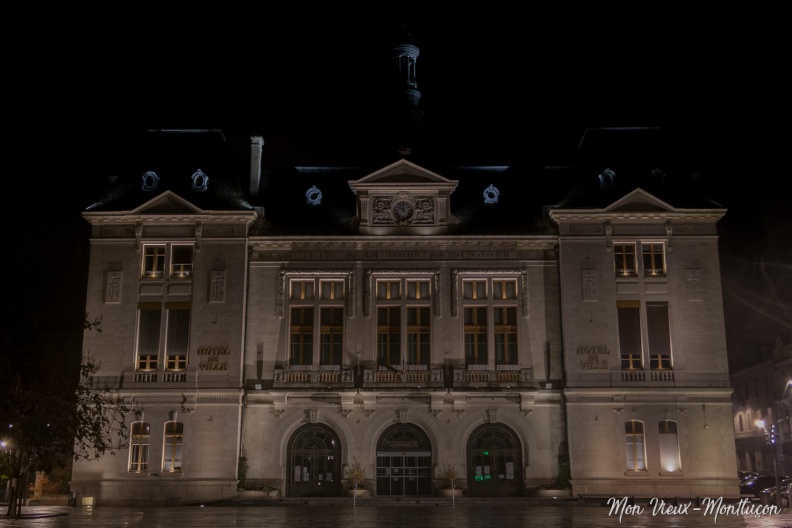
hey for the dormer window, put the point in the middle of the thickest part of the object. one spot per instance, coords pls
(491, 194)
(150, 181)
(200, 181)
(313, 196)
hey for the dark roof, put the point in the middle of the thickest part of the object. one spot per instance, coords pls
(612, 162)
(174, 156)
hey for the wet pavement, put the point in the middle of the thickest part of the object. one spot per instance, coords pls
(374, 513)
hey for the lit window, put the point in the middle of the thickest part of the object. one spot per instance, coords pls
(659, 335)
(476, 336)
(181, 261)
(317, 322)
(331, 336)
(303, 290)
(176, 338)
(139, 447)
(153, 261)
(624, 259)
(653, 259)
(669, 446)
(302, 332)
(172, 455)
(505, 335)
(148, 340)
(418, 326)
(635, 444)
(504, 289)
(332, 290)
(630, 348)
(389, 336)
(474, 289)
(418, 290)
(389, 289)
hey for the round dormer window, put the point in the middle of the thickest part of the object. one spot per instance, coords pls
(313, 195)
(491, 194)
(199, 180)
(150, 181)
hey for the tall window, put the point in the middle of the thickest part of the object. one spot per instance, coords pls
(669, 446)
(153, 261)
(653, 258)
(418, 335)
(630, 334)
(475, 336)
(659, 335)
(490, 321)
(505, 335)
(139, 447)
(635, 444)
(332, 334)
(302, 331)
(403, 322)
(172, 449)
(388, 336)
(316, 322)
(624, 259)
(152, 318)
(632, 341)
(148, 339)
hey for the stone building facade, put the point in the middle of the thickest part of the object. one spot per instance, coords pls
(523, 325)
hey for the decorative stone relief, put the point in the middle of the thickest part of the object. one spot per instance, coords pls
(401, 415)
(217, 286)
(589, 285)
(492, 415)
(694, 289)
(113, 280)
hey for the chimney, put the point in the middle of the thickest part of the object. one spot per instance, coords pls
(256, 142)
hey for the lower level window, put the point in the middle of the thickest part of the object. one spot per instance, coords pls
(139, 447)
(634, 440)
(174, 437)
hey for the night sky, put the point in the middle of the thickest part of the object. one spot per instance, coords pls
(494, 83)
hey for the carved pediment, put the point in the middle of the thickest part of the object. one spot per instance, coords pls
(167, 203)
(403, 198)
(638, 200)
(403, 173)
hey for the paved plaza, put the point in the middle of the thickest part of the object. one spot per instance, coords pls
(373, 513)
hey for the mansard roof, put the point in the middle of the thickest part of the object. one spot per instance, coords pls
(193, 164)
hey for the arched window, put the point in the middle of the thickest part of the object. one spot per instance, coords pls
(635, 444)
(172, 455)
(669, 446)
(139, 447)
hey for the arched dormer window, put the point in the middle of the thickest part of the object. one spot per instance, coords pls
(150, 181)
(200, 180)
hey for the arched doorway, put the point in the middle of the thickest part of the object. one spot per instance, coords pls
(404, 461)
(494, 462)
(314, 455)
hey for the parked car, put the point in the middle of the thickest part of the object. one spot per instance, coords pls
(768, 495)
(754, 486)
(745, 475)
